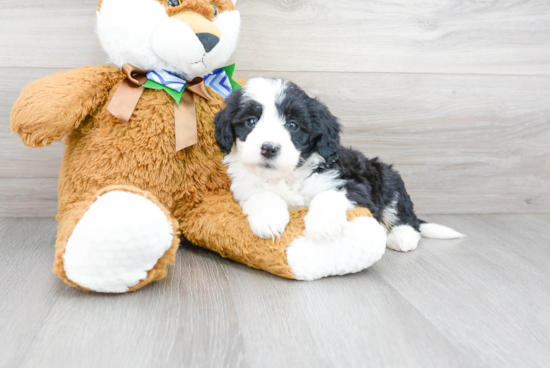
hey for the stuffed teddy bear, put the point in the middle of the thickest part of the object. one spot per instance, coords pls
(142, 168)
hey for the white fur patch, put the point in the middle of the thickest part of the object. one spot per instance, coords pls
(435, 231)
(403, 238)
(267, 92)
(139, 32)
(117, 242)
(361, 244)
(327, 215)
(267, 214)
(389, 215)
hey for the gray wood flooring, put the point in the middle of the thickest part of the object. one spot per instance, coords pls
(454, 93)
(479, 302)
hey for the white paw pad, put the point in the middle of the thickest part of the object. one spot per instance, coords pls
(117, 242)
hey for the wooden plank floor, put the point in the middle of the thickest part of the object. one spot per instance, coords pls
(478, 302)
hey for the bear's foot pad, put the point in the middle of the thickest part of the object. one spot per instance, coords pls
(117, 242)
(361, 244)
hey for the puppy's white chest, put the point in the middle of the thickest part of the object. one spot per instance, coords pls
(298, 190)
(293, 193)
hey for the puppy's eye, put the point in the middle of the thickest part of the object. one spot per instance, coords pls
(251, 122)
(292, 126)
(174, 2)
(216, 11)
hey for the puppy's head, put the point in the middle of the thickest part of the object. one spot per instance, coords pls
(274, 126)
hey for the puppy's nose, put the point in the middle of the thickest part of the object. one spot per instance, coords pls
(270, 150)
(208, 40)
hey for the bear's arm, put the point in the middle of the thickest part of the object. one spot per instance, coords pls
(50, 108)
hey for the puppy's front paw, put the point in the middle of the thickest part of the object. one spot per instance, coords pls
(269, 225)
(267, 215)
(327, 215)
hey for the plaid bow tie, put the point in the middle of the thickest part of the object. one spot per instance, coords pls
(218, 80)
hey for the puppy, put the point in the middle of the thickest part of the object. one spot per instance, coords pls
(283, 152)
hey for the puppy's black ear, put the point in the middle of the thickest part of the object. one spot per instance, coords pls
(225, 134)
(327, 129)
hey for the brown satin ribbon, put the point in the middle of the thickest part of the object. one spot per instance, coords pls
(129, 92)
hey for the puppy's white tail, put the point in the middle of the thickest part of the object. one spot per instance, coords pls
(435, 231)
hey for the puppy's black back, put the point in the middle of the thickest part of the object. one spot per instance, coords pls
(375, 185)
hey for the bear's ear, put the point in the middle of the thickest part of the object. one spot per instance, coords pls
(225, 133)
(328, 130)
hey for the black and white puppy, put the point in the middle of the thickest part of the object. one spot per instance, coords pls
(283, 152)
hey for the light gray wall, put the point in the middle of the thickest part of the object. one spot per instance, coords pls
(455, 93)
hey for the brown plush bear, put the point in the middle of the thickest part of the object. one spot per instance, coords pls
(141, 166)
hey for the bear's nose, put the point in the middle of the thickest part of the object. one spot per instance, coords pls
(208, 40)
(206, 31)
(270, 150)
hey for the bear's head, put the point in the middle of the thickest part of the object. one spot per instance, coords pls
(189, 38)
